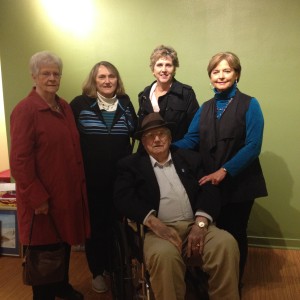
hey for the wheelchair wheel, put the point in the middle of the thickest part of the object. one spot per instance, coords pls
(121, 268)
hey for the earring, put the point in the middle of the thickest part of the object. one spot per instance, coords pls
(211, 87)
(236, 83)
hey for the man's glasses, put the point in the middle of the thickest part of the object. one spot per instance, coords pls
(161, 134)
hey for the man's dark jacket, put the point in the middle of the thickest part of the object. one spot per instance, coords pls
(137, 190)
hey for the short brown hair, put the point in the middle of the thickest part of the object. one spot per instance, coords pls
(89, 87)
(231, 58)
(163, 51)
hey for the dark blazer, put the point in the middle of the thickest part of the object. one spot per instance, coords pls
(137, 191)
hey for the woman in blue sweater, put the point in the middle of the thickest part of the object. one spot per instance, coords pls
(228, 131)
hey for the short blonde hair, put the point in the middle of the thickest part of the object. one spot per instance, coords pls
(163, 51)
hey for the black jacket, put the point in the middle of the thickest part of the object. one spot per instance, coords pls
(102, 147)
(137, 190)
(178, 105)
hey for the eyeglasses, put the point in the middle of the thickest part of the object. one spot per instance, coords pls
(161, 134)
(49, 74)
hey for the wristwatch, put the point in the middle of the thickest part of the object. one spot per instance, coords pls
(201, 224)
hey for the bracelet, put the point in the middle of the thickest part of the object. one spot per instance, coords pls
(224, 170)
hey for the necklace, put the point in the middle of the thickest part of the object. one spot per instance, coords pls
(56, 107)
(221, 108)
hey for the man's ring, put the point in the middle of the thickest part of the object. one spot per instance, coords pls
(198, 245)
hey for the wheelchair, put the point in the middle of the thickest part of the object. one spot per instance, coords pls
(129, 277)
(129, 280)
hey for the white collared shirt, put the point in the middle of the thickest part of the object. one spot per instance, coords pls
(153, 98)
(174, 203)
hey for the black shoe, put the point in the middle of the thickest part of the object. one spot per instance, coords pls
(73, 295)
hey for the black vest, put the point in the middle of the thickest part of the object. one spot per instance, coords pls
(221, 139)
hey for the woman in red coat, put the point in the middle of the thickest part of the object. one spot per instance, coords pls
(46, 162)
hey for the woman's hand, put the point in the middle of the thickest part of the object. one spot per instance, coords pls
(43, 209)
(215, 177)
(164, 232)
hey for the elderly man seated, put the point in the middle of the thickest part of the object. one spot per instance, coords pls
(159, 188)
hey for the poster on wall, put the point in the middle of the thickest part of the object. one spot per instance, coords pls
(8, 195)
(9, 244)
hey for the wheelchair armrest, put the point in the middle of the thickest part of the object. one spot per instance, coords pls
(136, 227)
(135, 236)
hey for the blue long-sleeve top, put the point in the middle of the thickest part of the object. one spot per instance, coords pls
(254, 133)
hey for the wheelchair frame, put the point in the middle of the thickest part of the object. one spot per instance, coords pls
(128, 276)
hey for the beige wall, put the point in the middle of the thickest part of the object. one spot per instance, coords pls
(265, 35)
(4, 164)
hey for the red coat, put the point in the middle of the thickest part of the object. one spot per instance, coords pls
(46, 162)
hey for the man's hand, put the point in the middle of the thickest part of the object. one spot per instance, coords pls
(196, 239)
(43, 209)
(164, 232)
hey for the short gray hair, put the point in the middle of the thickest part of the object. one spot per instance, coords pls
(42, 58)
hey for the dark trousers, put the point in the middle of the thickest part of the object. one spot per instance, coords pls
(234, 218)
(59, 289)
(97, 250)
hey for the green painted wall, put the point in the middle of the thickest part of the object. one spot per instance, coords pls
(265, 35)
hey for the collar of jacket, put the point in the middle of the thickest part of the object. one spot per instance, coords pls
(40, 103)
(176, 88)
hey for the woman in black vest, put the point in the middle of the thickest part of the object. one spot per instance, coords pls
(228, 131)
